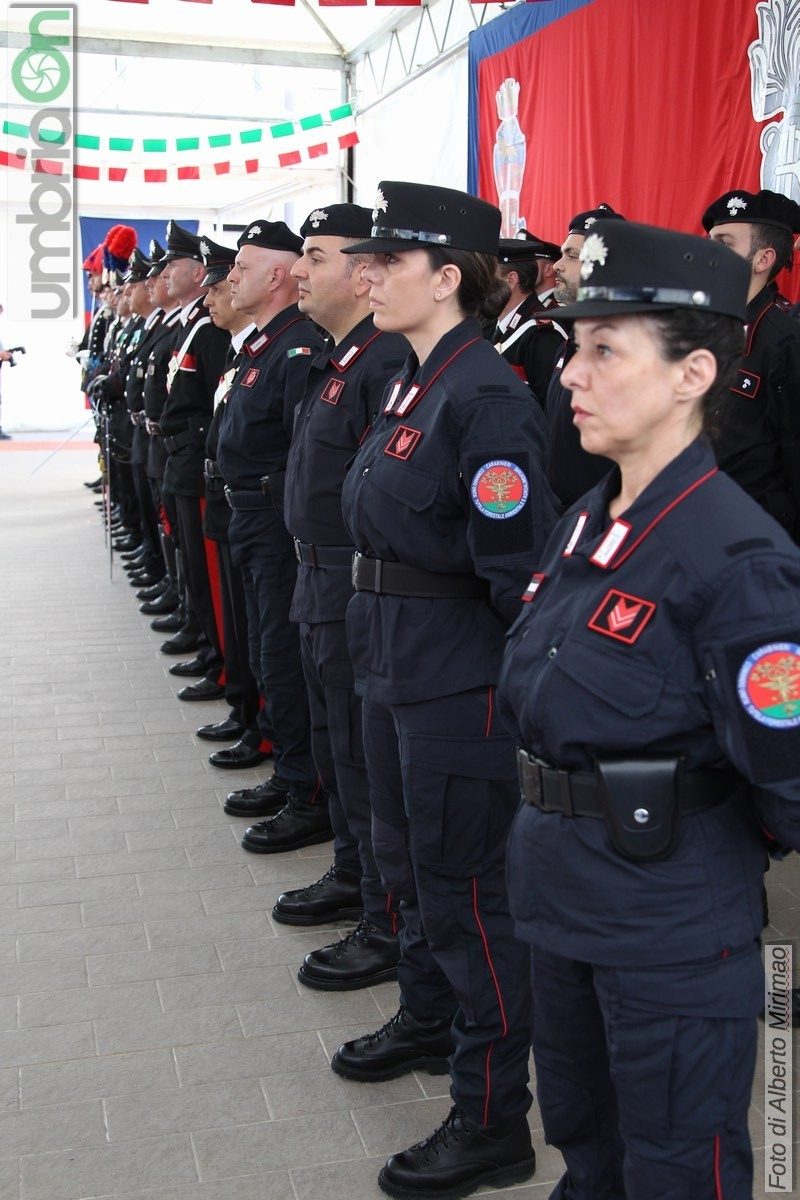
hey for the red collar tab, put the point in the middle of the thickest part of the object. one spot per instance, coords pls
(574, 537)
(607, 555)
(401, 408)
(259, 343)
(533, 587)
(610, 544)
(352, 353)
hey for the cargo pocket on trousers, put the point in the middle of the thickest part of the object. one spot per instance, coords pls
(461, 796)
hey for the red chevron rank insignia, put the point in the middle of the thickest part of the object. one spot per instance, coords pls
(622, 617)
(332, 391)
(403, 442)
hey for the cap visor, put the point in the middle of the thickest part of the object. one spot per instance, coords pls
(604, 308)
(382, 246)
(212, 277)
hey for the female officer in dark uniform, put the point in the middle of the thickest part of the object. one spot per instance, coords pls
(448, 507)
(654, 676)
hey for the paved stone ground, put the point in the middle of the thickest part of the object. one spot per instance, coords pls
(154, 1042)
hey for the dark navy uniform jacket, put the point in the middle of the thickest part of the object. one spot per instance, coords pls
(155, 386)
(256, 427)
(450, 480)
(342, 398)
(530, 344)
(198, 357)
(217, 513)
(134, 384)
(758, 436)
(672, 631)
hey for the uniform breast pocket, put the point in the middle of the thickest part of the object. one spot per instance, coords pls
(610, 699)
(405, 486)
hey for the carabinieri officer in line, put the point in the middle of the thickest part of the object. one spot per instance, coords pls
(655, 681)
(448, 507)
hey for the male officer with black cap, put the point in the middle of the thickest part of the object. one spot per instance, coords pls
(343, 394)
(142, 306)
(571, 470)
(253, 445)
(241, 690)
(528, 340)
(758, 438)
(198, 358)
(154, 397)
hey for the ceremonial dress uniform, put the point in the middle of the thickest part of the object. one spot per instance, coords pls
(448, 507)
(645, 676)
(198, 357)
(528, 340)
(342, 398)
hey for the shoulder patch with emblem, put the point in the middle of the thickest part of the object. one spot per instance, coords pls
(622, 616)
(499, 489)
(769, 685)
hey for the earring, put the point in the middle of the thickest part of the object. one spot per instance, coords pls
(437, 295)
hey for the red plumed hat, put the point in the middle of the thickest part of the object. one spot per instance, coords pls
(93, 263)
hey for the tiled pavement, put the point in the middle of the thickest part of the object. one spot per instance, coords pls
(154, 1042)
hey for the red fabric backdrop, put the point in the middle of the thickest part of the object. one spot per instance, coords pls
(644, 104)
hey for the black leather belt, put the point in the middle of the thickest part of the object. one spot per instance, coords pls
(247, 500)
(323, 556)
(396, 579)
(179, 440)
(211, 470)
(580, 794)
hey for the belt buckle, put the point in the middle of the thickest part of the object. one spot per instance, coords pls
(530, 778)
(357, 556)
(264, 481)
(227, 492)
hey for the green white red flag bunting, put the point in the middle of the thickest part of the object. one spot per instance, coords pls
(163, 160)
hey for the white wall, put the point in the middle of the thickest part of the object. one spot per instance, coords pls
(419, 133)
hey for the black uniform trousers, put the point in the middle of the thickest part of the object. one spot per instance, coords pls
(615, 1054)
(147, 510)
(189, 514)
(337, 746)
(241, 689)
(274, 644)
(444, 793)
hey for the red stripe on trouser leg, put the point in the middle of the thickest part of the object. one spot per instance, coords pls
(718, 1194)
(489, 711)
(165, 522)
(390, 912)
(490, 964)
(488, 1083)
(212, 566)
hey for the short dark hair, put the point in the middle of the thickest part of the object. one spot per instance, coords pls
(480, 292)
(765, 237)
(527, 274)
(682, 330)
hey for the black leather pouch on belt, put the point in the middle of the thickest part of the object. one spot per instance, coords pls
(640, 798)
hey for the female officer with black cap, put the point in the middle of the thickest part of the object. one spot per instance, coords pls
(655, 681)
(448, 508)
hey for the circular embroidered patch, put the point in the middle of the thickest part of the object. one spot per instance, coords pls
(769, 685)
(499, 489)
